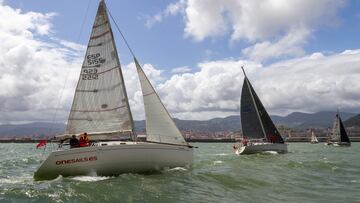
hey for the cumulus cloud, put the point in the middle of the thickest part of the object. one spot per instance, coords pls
(171, 10)
(24, 23)
(182, 69)
(289, 45)
(274, 28)
(255, 20)
(312, 83)
(33, 70)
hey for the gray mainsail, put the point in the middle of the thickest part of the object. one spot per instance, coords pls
(100, 103)
(255, 121)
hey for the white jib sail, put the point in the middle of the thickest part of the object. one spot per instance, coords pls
(159, 125)
(100, 103)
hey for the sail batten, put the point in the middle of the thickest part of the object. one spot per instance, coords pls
(100, 103)
(159, 125)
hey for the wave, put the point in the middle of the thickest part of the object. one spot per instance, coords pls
(271, 152)
(217, 162)
(90, 178)
(177, 169)
(222, 154)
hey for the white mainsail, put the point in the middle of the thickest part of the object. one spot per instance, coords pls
(100, 103)
(159, 125)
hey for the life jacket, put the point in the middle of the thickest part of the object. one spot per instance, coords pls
(83, 141)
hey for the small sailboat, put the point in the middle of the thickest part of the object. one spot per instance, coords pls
(101, 108)
(314, 139)
(257, 125)
(338, 136)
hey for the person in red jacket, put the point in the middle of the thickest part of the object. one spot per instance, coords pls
(245, 141)
(84, 140)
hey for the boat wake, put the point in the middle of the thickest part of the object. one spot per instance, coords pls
(217, 162)
(90, 178)
(177, 169)
(222, 154)
(271, 152)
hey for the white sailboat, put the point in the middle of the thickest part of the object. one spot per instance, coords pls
(101, 108)
(314, 139)
(338, 136)
(259, 132)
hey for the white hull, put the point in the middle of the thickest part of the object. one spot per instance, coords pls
(262, 147)
(113, 159)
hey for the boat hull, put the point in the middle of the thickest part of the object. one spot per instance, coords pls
(114, 159)
(262, 147)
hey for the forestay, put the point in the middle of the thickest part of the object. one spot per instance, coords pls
(100, 103)
(159, 125)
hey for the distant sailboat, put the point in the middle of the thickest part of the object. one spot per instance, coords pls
(257, 125)
(338, 136)
(314, 139)
(101, 108)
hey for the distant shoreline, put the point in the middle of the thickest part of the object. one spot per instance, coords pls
(297, 139)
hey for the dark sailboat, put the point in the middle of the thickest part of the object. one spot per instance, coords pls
(339, 136)
(257, 125)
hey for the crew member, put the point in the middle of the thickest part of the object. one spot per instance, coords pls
(245, 141)
(74, 142)
(84, 140)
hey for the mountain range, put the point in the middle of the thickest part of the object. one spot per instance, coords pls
(295, 120)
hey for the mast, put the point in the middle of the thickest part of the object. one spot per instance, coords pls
(253, 100)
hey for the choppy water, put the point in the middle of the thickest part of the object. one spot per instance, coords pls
(308, 173)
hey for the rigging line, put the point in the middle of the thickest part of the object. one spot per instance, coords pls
(67, 75)
(83, 22)
(122, 35)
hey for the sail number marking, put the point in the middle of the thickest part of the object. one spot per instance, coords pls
(95, 59)
(90, 74)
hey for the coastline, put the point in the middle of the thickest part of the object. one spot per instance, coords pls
(294, 139)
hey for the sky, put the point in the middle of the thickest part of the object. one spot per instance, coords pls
(300, 55)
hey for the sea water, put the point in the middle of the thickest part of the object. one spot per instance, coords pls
(308, 173)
